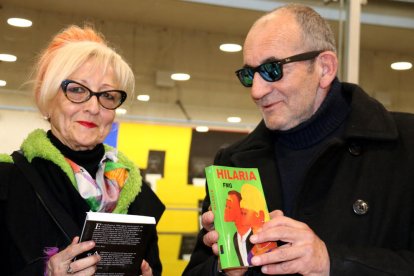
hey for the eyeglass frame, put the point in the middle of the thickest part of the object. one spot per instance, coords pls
(276, 63)
(64, 85)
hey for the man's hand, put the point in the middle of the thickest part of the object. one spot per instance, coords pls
(303, 253)
(210, 239)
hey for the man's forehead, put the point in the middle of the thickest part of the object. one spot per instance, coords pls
(254, 55)
(270, 43)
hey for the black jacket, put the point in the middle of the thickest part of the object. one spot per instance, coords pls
(50, 212)
(373, 162)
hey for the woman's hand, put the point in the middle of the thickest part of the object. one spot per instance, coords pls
(145, 269)
(61, 263)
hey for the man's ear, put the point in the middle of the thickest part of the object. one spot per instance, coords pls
(329, 63)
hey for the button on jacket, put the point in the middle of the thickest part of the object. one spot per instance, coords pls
(357, 196)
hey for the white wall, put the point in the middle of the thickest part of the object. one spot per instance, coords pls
(14, 127)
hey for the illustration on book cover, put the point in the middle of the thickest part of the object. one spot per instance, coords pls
(240, 210)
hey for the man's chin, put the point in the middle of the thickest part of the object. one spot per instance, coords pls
(273, 124)
(279, 123)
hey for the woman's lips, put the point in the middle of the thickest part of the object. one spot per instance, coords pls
(87, 124)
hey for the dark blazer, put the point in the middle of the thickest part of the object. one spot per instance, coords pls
(373, 162)
(51, 215)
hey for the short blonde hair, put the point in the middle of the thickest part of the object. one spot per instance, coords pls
(253, 199)
(69, 50)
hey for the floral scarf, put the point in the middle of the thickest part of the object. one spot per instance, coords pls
(101, 193)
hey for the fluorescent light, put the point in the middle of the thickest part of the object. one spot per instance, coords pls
(19, 22)
(230, 47)
(7, 57)
(180, 76)
(3, 83)
(202, 129)
(121, 111)
(234, 119)
(401, 65)
(143, 98)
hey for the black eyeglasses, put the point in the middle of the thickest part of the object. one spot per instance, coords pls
(271, 71)
(79, 93)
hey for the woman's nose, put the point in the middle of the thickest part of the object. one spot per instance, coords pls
(93, 105)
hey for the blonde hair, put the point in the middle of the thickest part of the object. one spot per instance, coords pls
(253, 199)
(69, 50)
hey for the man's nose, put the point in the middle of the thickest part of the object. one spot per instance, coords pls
(260, 87)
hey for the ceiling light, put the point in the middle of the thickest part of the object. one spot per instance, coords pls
(143, 98)
(7, 57)
(180, 76)
(3, 83)
(121, 111)
(234, 119)
(19, 22)
(202, 129)
(401, 65)
(230, 47)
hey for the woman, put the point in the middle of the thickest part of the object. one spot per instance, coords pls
(79, 82)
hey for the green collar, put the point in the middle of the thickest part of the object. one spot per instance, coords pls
(38, 145)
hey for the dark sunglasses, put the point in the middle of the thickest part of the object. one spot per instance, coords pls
(271, 71)
(79, 93)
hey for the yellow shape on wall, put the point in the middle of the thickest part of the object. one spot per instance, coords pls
(180, 198)
(136, 140)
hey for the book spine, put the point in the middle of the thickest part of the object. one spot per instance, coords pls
(225, 240)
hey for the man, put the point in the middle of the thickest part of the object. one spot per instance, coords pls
(337, 168)
(233, 213)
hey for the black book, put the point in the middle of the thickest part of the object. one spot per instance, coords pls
(121, 241)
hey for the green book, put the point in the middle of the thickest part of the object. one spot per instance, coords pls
(240, 209)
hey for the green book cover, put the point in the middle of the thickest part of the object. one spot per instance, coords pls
(240, 209)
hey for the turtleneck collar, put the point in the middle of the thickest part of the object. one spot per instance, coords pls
(331, 114)
(88, 159)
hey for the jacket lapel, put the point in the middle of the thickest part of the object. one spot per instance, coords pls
(368, 119)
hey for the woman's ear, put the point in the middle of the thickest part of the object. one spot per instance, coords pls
(329, 63)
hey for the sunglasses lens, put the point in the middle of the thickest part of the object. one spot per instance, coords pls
(245, 76)
(270, 71)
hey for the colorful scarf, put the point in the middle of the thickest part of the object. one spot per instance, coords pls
(101, 193)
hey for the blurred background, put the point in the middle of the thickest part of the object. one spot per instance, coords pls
(161, 37)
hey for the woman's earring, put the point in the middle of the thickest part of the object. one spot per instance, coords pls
(46, 117)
